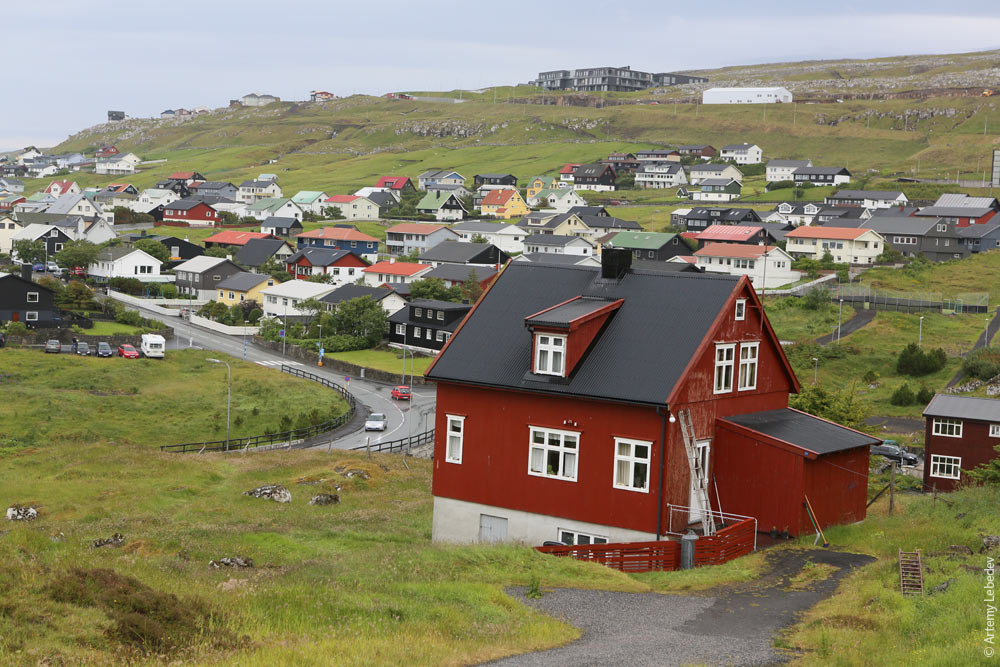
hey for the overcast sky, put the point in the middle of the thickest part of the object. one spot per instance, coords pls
(76, 59)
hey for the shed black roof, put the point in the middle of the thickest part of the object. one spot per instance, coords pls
(257, 251)
(625, 363)
(460, 252)
(352, 291)
(804, 430)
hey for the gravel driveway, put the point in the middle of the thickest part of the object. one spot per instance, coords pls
(730, 626)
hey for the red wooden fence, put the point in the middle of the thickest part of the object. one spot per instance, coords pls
(728, 543)
(625, 556)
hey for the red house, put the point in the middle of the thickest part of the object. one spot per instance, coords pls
(344, 265)
(192, 211)
(398, 183)
(961, 433)
(235, 237)
(589, 405)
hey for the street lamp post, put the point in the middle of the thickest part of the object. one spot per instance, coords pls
(840, 319)
(815, 368)
(920, 336)
(229, 394)
(986, 343)
(284, 330)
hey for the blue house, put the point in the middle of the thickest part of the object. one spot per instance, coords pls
(980, 238)
(340, 238)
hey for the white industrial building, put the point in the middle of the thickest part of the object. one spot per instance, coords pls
(746, 95)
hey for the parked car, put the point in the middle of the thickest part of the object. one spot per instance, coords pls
(83, 348)
(104, 350)
(128, 351)
(891, 450)
(80, 271)
(52, 267)
(376, 422)
(53, 346)
(401, 392)
(38, 267)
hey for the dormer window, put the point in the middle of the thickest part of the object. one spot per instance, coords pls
(550, 355)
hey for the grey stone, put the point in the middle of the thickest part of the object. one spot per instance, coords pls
(20, 513)
(275, 492)
(325, 499)
(234, 561)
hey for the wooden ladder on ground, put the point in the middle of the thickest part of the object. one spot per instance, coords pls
(697, 473)
(911, 577)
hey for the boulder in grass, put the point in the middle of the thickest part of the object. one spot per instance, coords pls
(235, 561)
(20, 513)
(115, 540)
(325, 499)
(275, 492)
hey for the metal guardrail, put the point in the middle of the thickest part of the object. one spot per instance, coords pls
(400, 444)
(267, 439)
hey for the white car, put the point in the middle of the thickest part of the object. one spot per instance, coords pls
(376, 422)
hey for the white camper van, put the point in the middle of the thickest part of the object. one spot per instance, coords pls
(152, 346)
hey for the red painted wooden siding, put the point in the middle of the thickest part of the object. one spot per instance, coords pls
(200, 213)
(837, 486)
(974, 447)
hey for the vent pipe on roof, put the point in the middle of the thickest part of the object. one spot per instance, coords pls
(615, 262)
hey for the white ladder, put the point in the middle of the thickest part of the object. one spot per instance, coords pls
(699, 476)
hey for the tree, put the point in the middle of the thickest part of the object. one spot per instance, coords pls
(126, 216)
(840, 407)
(29, 252)
(362, 317)
(326, 278)
(78, 295)
(311, 307)
(914, 361)
(471, 288)
(816, 298)
(333, 213)
(229, 218)
(479, 238)
(154, 248)
(434, 289)
(219, 251)
(989, 472)
(77, 253)
(903, 396)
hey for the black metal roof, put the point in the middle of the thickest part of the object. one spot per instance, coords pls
(460, 252)
(281, 222)
(804, 430)
(243, 281)
(352, 291)
(257, 251)
(319, 256)
(561, 316)
(625, 363)
(964, 407)
(459, 272)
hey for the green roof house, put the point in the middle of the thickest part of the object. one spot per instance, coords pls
(653, 246)
(311, 201)
(278, 207)
(442, 205)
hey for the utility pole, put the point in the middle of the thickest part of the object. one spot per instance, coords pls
(892, 488)
(840, 319)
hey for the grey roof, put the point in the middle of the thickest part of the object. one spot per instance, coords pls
(953, 211)
(214, 185)
(963, 407)
(895, 211)
(656, 151)
(624, 363)
(865, 194)
(549, 239)
(777, 230)
(691, 147)
(900, 225)
(803, 430)
(184, 204)
(978, 231)
(589, 210)
(963, 200)
(822, 170)
(114, 254)
(660, 168)
(788, 163)
(493, 175)
(551, 258)
(716, 181)
(562, 315)
(243, 281)
(843, 212)
(281, 222)
(319, 256)
(257, 251)
(737, 147)
(461, 252)
(710, 167)
(797, 207)
(726, 215)
(382, 199)
(481, 226)
(667, 267)
(257, 184)
(65, 203)
(593, 169)
(608, 222)
(352, 291)
(459, 272)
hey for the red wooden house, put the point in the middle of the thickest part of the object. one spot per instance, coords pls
(401, 184)
(343, 265)
(192, 211)
(593, 405)
(961, 433)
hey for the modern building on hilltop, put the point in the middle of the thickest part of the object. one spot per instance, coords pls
(614, 79)
(746, 95)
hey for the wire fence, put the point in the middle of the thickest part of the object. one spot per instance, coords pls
(402, 444)
(911, 302)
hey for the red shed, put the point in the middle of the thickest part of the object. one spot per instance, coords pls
(590, 406)
(962, 432)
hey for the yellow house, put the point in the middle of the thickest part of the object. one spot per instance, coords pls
(559, 224)
(244, 286)
(539, 183)
(505, 203)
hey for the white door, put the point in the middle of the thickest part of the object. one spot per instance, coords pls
(492, 528)
(699, 482)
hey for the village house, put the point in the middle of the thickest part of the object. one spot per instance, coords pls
(278, 207)
(821, 175)
(198, 278)
(178, 250)
(935, 239)
(60, 188)
(234, 237)
(977, 238)
(342, 265)
(960, 216)
(539, 183)
(714, 190)
(443, 206)
(282, 301)
(657, 155)
(386, 297)
(559, 224)
(567, 172)
(311, 201)
(700, 217)
(504, 203)
(456, 275)
(650, 245)
(253, 190)
(623, 163)
(9, 226)
(698, 150)
(742, 153)
(216, 190)
(11, 185)
(748, 234)
(494, 181)
(120, 163)
(244, 286)
(767, 267)
(558, 199)
(433, 177)
(424, 325)
(408, 237)
(961, 432)
(192, 211)
(846, 245)
(393, 273)
(559, 245)
(794, 213)
(342, 238)
(660, 175)
(460, 252)
(782, 170)
(506, 237)
(22, 300)
(353, 207)
(600, 411)
(125, 262)
(598, 177)
(188, 178)
(283, 227)
(396, 184)
(871, 199)
(699, 172)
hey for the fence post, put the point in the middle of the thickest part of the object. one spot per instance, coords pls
(687, 551)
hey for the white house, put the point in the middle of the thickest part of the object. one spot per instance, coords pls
(152, 197)
(555, 244)
(742, 153)
(699, 172)
(782, 170)
(717, 189)
(310, 201)
(353, 207)
(868, 198)
(8, 228)
(394, 273)
(509, 238)
(560, 199)
(119, 163)
(252, 190)
(766, 266)
(794, 213)
(282, 300)
(122, 262)
(77, 205)
(660, 175)
(746, 95)
(262, 209)
(849, 245)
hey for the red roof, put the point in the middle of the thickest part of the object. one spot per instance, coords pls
(342, 199)
(688, 258)
(393, 182)
(821, 232)
(181, 175)
(737, 250)
(396, 268)
(415, 228)
(498, 197)
(63, 185)
(569, 168)
(106, 151)
(337, 234)
(689, 235)
(727, 233)
(232, 237)
(117, 187)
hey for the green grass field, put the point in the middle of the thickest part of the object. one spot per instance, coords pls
(103, 328)
(384, 360)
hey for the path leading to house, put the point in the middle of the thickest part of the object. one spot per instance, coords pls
(980, 342)
(861, 319)
(727, 626)
(897, 424)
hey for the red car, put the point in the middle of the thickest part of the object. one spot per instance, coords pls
(127, 351)
(401, 393)
(78, 271)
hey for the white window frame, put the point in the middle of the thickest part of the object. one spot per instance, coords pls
(32, 297)
(995, 430)
(721, 365)
(748, 362)
(741, 310)
(940, 463)
(416, 332)
(31, 316)
(546, 354)
(546, 448)
(575, 536)
(400, 329)
(629, 461)
(454, 440)
(418, 312)
(942, 426)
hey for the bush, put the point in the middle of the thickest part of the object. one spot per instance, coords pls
(925, 395)
(871, 377)
(903, 396)
(816, 298)
(983, 364)
(17, 329)
(915, 362)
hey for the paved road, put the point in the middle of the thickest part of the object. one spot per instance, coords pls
(730, 626)
(860, 319)
(404, 418)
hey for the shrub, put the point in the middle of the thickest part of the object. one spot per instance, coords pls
(871, 377)
(903, 396)
(925, 395)
(17, 329)
(914, 361)
(815, 298)
(983, 364)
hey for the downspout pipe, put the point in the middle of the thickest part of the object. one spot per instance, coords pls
(663, 412)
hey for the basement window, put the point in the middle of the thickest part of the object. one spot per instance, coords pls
(948, 467)
(573, 538)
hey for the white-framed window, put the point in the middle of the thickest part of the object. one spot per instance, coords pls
(550, 354)
(553, 453)
(573, 538)
(632, 464)
(748, 366)
(32, 297)
(455, 438)
(741, 309)
(724, 359)
(416, 332)
(31, 316)
(440, 315)
(951, 428)
(418, 312)
(995, 430)
(948, 467)
(440, 336)
(400, 329)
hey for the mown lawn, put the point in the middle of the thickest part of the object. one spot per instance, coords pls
(385, 360)
(104, 328)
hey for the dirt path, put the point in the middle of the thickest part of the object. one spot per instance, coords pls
(861, 319)
(727, 626)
